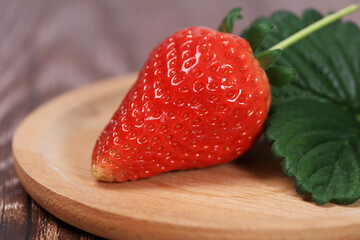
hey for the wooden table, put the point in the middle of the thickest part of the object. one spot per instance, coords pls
(48, 47)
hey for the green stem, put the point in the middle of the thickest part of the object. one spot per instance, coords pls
(315, 26)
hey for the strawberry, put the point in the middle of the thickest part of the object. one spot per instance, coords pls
(200, 100)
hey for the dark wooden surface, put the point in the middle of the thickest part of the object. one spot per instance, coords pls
(48, 47)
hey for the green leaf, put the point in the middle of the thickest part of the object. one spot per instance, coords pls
(320, 142)
(257, 32)
(280, 76)
(314, 126)
(327, 61)
(227, 24)
(267, 58)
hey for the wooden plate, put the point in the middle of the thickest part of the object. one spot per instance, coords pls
(247, 199)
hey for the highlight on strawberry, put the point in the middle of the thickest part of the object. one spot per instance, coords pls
(201, 99)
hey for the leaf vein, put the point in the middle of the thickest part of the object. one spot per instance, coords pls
(332, 68)
(306, 132)
(301, 54)
(310, 150)
(349, 65)
(333, 171)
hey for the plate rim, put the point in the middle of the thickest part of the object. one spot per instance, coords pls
(31, 182)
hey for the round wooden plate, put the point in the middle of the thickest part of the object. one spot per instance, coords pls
(248, 198)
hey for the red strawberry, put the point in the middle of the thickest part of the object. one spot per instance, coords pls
(200, 100)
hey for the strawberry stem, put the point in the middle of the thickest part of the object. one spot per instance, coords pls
(315, 26)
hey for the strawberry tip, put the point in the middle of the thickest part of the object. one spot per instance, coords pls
(101, 174)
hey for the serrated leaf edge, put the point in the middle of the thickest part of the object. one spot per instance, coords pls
(300, 187)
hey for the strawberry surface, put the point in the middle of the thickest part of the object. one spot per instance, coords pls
(200, 100)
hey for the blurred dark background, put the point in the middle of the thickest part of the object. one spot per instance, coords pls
(48, 47)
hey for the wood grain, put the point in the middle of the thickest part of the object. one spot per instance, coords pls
(49, 47)
(248, 198)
